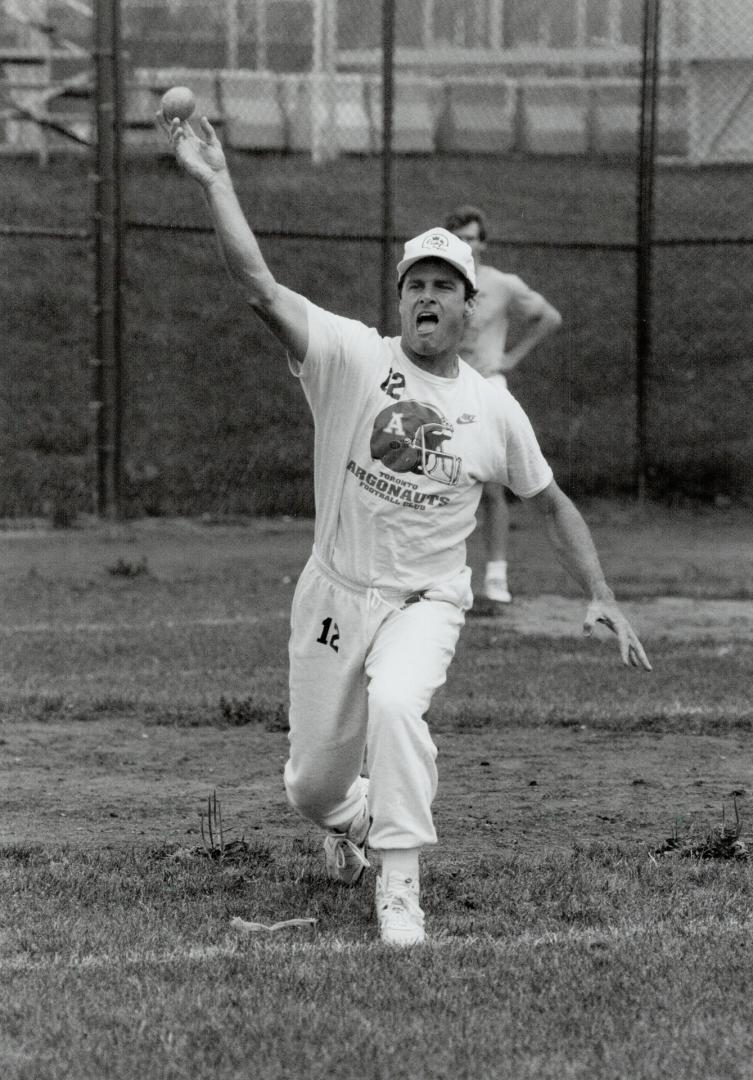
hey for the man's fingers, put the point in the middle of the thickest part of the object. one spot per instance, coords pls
(161, 122)
(638, 656)
(171, 128)
(631, 650)
(622, 637)
(633, 653)
(209, 133)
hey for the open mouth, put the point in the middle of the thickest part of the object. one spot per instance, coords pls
(426, 321)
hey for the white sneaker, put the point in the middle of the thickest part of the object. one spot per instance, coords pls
(345, 852)
(401, 920)
(496, 589)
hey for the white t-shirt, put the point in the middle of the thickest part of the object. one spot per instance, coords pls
(400, 455)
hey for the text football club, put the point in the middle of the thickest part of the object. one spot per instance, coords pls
(401, 492)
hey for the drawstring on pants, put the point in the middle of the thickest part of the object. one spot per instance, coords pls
(374, 598)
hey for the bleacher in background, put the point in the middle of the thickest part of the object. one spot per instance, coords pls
(493, 76)
(263, 111)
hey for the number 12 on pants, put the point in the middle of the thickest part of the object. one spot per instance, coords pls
(330, 634)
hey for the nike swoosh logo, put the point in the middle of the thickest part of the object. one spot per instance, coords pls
(466, 418)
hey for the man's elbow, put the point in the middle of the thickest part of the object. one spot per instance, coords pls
(547, 502)
(261, 292)
(546, 321)
(553, 319)
(555, 507)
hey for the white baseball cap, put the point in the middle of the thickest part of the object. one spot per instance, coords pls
(439, 244)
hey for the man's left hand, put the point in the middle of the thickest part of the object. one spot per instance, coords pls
(608, 613)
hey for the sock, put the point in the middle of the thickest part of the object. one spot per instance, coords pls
(497, 569)
(403, 860)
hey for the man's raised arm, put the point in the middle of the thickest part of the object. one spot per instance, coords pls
(283, 310)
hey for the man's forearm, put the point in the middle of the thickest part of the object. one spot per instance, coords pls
(575, 548)
(536, 331)
(574, 545)
(238, 244)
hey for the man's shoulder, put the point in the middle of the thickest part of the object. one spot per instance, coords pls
(491, 276)
(342, 350)
(470, 373)
(492, 389)
(346, 327)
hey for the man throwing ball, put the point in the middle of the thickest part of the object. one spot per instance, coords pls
(405, 435)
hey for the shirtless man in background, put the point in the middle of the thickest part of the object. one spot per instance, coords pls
(501, 298)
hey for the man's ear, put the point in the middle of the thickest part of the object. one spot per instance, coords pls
(470, 307)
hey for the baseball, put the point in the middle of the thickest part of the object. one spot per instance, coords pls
(178, 102)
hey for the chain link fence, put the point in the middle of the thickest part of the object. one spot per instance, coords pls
(702, 282)
(531, 109)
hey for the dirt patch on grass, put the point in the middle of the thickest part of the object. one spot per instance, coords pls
(116, 780)
(674, 617)
(121, 784)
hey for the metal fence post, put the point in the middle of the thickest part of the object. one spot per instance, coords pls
(107, 381)
(388, 164)
(644, 238)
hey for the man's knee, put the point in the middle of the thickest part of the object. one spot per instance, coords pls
(396, 718)
(307, 793)
(393, 701)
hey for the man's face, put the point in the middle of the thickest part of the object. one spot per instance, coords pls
(432, 307)
(470, 233)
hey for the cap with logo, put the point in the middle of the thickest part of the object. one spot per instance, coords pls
(439, 244)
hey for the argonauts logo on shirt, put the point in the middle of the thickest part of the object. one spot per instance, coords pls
(408, 436)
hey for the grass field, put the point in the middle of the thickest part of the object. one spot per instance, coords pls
(145, 668)
(214, 423)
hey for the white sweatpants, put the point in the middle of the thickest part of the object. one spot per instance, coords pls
(363, 669)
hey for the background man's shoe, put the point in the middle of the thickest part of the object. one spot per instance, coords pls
(497, 591)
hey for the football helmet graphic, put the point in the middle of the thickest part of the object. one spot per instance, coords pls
(408, 437)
